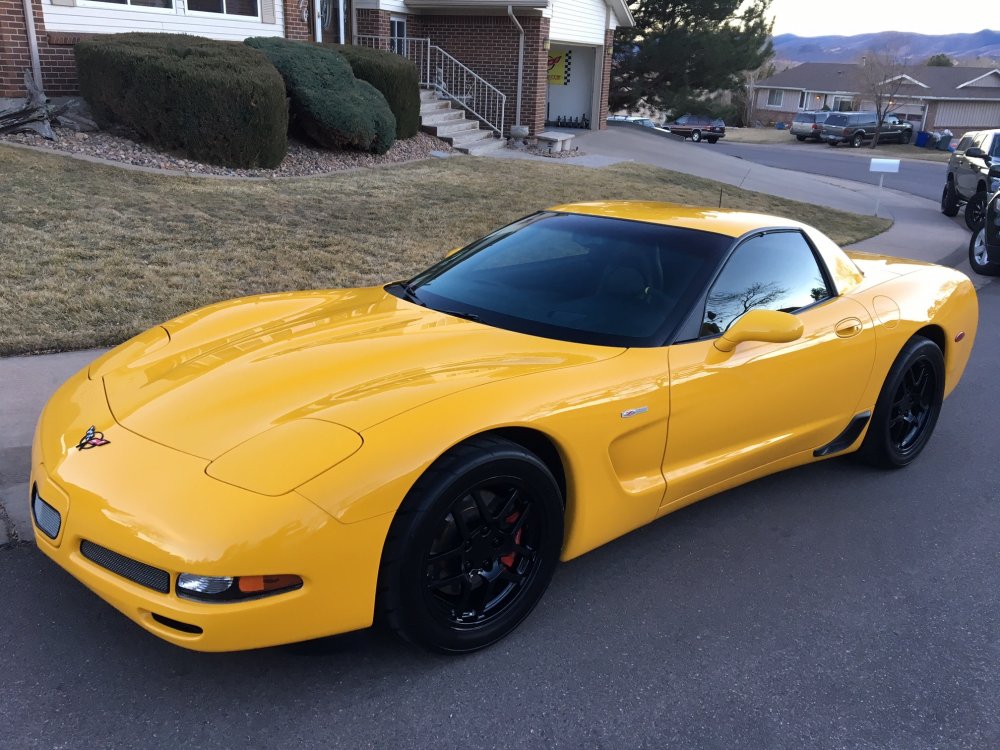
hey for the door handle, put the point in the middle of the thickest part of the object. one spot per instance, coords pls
(848, 327)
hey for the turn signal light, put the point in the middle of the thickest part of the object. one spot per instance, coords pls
(232, 588)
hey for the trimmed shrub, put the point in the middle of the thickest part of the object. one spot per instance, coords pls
(331, 106)
(216, 102)
(395, 76)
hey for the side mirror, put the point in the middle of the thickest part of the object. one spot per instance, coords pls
(452, 252)
(975, 153)
(771, 326)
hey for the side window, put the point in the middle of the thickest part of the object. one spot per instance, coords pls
(964, 143)
(777, 271)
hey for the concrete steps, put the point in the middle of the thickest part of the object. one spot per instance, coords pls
(450, 124)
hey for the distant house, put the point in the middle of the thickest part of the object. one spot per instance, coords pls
(474, 44)
(933, 98)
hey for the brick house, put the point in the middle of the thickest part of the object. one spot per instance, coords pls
(933, 98)
(481, 37)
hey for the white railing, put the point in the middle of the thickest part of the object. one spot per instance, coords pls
(449, 77)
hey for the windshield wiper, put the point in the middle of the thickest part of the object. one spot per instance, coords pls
(464, 315)
(410, 293)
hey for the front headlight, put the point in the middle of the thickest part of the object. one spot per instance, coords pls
(234, 588)
(278, 460)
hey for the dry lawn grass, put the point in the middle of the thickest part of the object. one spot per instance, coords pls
(90, 255)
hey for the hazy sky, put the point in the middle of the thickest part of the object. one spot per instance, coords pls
(814, 18)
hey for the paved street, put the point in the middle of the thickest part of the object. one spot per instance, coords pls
(834, 606)
(921, 178)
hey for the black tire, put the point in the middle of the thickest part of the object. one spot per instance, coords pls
(977, 255)
(800, 137)
(502, 509)
(857, 140)
(907, 408)
(832, 144)
(949, 199)
(904, 137)
(710, 139)
(696, 135)
(975, 211)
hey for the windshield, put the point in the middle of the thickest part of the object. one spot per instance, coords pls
(588, 279)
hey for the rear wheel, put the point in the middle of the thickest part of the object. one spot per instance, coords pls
(857, 140)
(710, 139)
(696, 136)
(949, 199)
(975, 211)
(473, 547)
(800, 137)
(908, 406)
(977, 255)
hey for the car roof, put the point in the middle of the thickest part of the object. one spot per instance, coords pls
(729, 222)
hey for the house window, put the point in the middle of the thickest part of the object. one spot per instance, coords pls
(397, 34)
(162, 4)
(802, 100)
(245, 8)
(774, 97)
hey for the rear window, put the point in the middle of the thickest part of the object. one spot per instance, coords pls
(837, 120)
(805, 118)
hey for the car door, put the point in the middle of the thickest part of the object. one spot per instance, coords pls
(732, 413)
(968, 174)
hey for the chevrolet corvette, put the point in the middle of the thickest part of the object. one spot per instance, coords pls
(295, 465)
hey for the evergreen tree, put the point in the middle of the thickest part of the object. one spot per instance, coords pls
(682, 51)
(940, 60)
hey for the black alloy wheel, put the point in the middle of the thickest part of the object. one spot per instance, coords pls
(696, 135)
(473, 547)
(975, 211)
(949, 199)
(908, 406)
(978, 256)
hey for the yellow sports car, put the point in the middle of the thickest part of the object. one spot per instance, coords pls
(289, 466)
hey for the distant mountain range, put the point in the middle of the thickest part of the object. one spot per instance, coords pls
(981, 48)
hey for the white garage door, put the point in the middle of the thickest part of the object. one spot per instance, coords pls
(571, 83)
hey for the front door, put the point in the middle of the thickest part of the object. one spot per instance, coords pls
(732, 413)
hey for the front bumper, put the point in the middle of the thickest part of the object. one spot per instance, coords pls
(156, 506)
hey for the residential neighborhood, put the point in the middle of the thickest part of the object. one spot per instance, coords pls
(479, 373)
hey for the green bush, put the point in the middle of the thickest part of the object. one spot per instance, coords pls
(333, 107)
(395, 76)
(217, 102)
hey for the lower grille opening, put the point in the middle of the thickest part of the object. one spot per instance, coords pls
(177, 624)
(126, 567)
(47, 518)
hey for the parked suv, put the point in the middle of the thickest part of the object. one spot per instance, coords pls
(968, 179)
(697, 127)
(984, 246)
(857, 127)
(808, 125)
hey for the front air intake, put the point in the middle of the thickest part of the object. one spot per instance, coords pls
(47, 518)
(126, 567)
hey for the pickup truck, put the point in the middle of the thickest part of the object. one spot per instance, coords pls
(858, 127)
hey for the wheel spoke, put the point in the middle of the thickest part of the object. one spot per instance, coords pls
(519, 523)
(442, 583)
(484, 511)
(463, 529)
(509, 504)
(441, 556)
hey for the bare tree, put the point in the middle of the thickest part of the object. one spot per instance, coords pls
(882, 74)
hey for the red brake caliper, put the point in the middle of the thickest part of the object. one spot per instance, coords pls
(508, 560)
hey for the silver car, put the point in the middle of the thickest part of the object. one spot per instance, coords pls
(808, 125)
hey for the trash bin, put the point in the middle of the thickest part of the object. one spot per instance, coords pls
(932, 140)
(945, 143)
(922, 137)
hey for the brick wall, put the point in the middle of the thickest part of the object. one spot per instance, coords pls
(489, 46)
(609, 41)
(375, 23)
(54, 50)
(295, 27)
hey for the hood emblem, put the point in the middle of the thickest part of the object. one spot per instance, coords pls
(93, 439)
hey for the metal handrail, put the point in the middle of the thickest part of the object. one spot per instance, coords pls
(449, 76)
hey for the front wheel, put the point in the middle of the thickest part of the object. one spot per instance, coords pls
(975, 211)
(978, 257)
(800, 137)
(696, 136)
(908, 406)
(473, 547)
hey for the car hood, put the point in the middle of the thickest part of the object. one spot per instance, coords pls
(352, 357)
